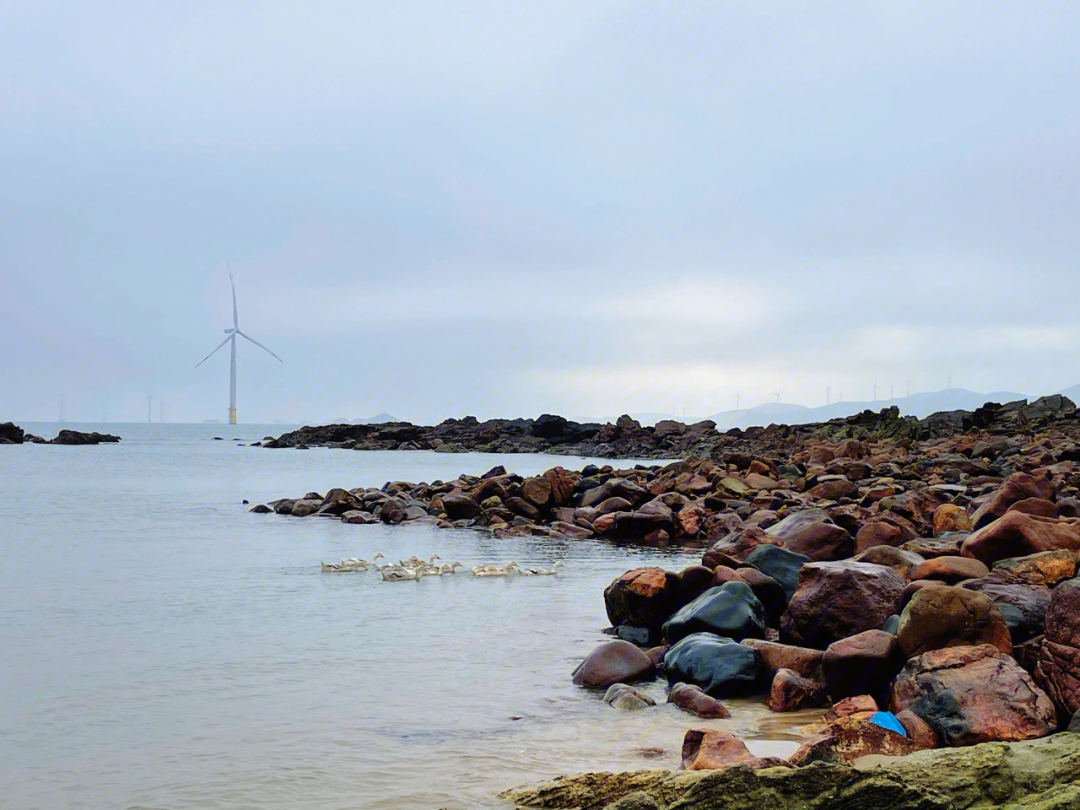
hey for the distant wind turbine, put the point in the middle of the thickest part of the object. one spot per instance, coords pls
(232, 333)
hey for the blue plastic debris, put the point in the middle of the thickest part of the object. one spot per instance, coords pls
(888, 720)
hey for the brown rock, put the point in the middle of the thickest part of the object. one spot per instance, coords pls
(951, 518)
(950, 569)
(969, 695)
(834, 600)
(812, 532)
(757, 481)
(918, 730)
(914, 587)
(611, 663)
(690, 698)
(707, 750)
(790, 692)
(641, 597)
(1018, 535)
(863, 664)
(689, 521)
(1035, 506)
(948, 616)
(1058, 670)
(1017, 487)
(775, 656)
(1045, 568)
(562, 486)
(849, 738)
(878, 533)
(833, 490)
(897, 559)
(931, 547)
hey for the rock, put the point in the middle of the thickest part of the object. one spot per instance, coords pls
(863, 664)
(1074, 724)
(691, 698)
(1017, 487)
(951, 518)
(948, 545)
(1035, 506)
(641, 597)
(970, 695)
(520, 506)
(1018, 535)
(460, 507)
(1030, 603)
(10, 433)
(918, 730)
(1058, 669)
(355, 516)
(949, 569)
(1044, 568)
(948, 616)
(835, 600)
(708, 749)
(611, 663)
(775, 656)
(1037, 774)
(791, 692)
(897, 559)
(610, 505)
(768, 591)
(624, 696)
(879, 533)
(261, 509)
(75, 437)
(779, 563)
(833, 490)
(305, 507)
(812, 532)
(638, 636)
(730, 610)
(537, 491)
(718, 665)
(848, 738)
(614, 488)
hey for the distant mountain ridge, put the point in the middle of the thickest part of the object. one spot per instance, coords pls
(920, 405)
(378, 419)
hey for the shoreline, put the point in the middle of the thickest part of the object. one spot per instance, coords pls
(841, 564)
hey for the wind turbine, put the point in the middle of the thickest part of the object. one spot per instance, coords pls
(232, 333)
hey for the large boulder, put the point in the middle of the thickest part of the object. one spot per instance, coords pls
(1017, 487)
(835, 600)
(846, 739)
(460, 507)
(1017, 535)
(971, 695)
(718, 665)
(812, 532)
(863, 664)
(614, 488)
(10, 433)
(1058, 670)
(782, 564)
(949, 616)
(790, 692)
(611, 663)
(897, 559)
(1030, 603)
(775, 656)
(730, 610)
(951, 518)
(641, 597)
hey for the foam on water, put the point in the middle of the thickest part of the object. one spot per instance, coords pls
(163, 647)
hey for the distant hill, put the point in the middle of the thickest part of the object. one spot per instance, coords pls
(377, 419)
(784, 413)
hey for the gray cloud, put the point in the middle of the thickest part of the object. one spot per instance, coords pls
(436, 209)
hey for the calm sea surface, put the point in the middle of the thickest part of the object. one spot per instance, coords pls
(160, 647)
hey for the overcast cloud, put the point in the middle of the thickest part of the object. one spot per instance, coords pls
(501, 209)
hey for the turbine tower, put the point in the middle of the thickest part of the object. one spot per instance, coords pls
(232, 333)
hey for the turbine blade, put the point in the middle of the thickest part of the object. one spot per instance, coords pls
(253, 340)
(226, 340)
(235, 317)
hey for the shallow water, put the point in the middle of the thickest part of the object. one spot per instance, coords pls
(162, 647)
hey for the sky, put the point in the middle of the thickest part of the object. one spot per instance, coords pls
(436, 209)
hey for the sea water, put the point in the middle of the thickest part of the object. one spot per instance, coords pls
(162, 647)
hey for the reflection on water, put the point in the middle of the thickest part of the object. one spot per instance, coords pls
(163, 647)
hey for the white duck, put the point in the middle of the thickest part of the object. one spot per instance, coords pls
(495, 570)
(542, 572)
(401, 575)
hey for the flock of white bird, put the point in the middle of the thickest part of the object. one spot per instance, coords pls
(415, 569)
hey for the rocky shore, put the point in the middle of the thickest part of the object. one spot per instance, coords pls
(667, 439)
(915, 578)
(11, 433)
